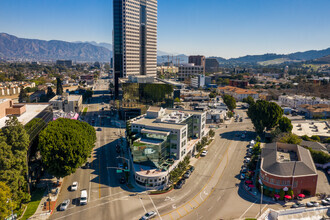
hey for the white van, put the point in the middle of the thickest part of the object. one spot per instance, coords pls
(83, 197)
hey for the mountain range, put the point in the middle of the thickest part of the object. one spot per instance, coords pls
(14, 48)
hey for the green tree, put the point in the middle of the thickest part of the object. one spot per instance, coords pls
(212, 95)
(50, 93)
(14, 142)
(177, 100)
(230, 102)
(211, 133)
(290, 138)
(59, 87)
(5, 201)
(23, 96)
(316, 138)
(285, 124)
(249, 100)
(230, 114)
(264, 114)
(65, 145)
(253, 81)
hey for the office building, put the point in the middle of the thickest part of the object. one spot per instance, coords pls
(134, 38)
(189, 70)
(198, 81)
(211, 65)
(284, 166)
(197, 60)
(67, 63)
(163, 138)
(67, 103)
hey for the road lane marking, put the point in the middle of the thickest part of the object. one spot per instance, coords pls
(87, 208)
(155, 207)
(185, 209)
(261, 210)
(171, 216)
(142, 204)
(218, 199)
(210, 208)
(199, 204)
(191, 205)
(178, 213)
(248, 209)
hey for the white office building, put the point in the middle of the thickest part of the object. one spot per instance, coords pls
(163, 137)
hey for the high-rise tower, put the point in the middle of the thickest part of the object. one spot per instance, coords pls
(134, 38)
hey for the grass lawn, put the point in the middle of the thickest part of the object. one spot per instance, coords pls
(84, 111)
(34, 203)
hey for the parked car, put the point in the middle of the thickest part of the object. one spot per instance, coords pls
(187, 174)
(179, 184)
(244, 170)
(99, 129)
(149, 215)
(315, 204)
(242, 176)
(203, 154)
(325, 202)
(83, 197)
(299, 204)
(64, 205)
(74, 186)
(192, 168)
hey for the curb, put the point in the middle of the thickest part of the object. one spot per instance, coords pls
(257, 197)
(155, 194)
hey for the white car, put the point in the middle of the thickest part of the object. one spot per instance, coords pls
(83, 197)
(149, 215)
(64, 205)
(74, 186)
(203, 154)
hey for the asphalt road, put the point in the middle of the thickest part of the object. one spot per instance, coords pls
(212, 192)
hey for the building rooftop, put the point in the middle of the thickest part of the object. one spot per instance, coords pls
(287, 160)
(310, 128)
(32, 110)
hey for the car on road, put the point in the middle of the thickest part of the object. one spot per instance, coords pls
(325, 202)
(187, 174)
(242, 176)
(244, 170)
(149, 215)
(74, 186)
(243, 136)
(99, 129)
(192, 168)
(203, 154)
(315, 204)
(83, 197)
(179, 184)
(64, 205)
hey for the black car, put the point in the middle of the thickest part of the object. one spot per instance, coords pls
(191, 169)
(122, 180)
(180, 184)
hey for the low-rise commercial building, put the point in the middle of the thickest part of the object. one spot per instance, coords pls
(163, 137)
(198, 81)
(238, 93)
(288, 166)
(67, 103)
(315, 111)
(298, 100)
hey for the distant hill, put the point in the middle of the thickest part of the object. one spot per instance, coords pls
(322, 60)
(15, 48)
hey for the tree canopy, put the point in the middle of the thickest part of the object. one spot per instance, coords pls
(230, 102)
(285, 124)
(59, 87)
(290, 138)
(249, 100)
(5, 201)
(264, 114)
(14, 142)
(23, 96)
(65, 145)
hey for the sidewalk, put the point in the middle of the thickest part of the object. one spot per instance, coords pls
(48, 201)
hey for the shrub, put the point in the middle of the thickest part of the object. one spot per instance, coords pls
(316, 138)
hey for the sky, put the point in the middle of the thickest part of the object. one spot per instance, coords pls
(225, 28)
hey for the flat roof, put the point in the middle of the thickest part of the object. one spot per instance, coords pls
(307, 128)
(155, 132)
(151, 122)
(32, 110)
